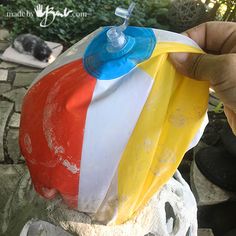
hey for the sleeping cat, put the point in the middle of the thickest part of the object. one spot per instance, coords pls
(32, 45)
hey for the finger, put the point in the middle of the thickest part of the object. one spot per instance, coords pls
(197, 66)
(217, 37)
(218, 69)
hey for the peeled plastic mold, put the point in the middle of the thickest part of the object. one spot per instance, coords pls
(106, 129)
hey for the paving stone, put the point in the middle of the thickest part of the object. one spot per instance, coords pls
(13, 145)
(24, 79)
(4, 87)
(11, 76)
(4, 34)
(16, 95)
(205, 232)
(3, 75)
(4, 45)
(15, 120)
(206, 192)
(9, 178)
(7, 65)
(6, 109)
(26, 69)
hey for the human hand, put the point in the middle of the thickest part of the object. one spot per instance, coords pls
(39, 10)
(218, 40)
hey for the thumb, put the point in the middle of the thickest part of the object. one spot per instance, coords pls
(220, 70)
(195, 65)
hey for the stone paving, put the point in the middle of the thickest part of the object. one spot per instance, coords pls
(14, 82)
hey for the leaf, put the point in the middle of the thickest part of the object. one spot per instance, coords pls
(62, 31)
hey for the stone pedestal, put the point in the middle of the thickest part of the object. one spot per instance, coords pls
(206, 192)
(171, 211)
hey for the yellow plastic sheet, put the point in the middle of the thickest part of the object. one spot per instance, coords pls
(170, 119)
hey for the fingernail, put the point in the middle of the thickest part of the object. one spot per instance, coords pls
(179, 57)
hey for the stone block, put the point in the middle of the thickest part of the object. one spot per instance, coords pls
(15, 120)
(16, 96)
(7, 65)
(13, 144)
(3, 75)
(24, 79)
(11, 76)
(4, 87)
(9, 177)
(27, 69)
(5, 108)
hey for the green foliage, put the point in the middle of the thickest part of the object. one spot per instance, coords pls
(152, 13)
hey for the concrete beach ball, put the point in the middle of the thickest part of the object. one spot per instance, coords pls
(106, 127)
